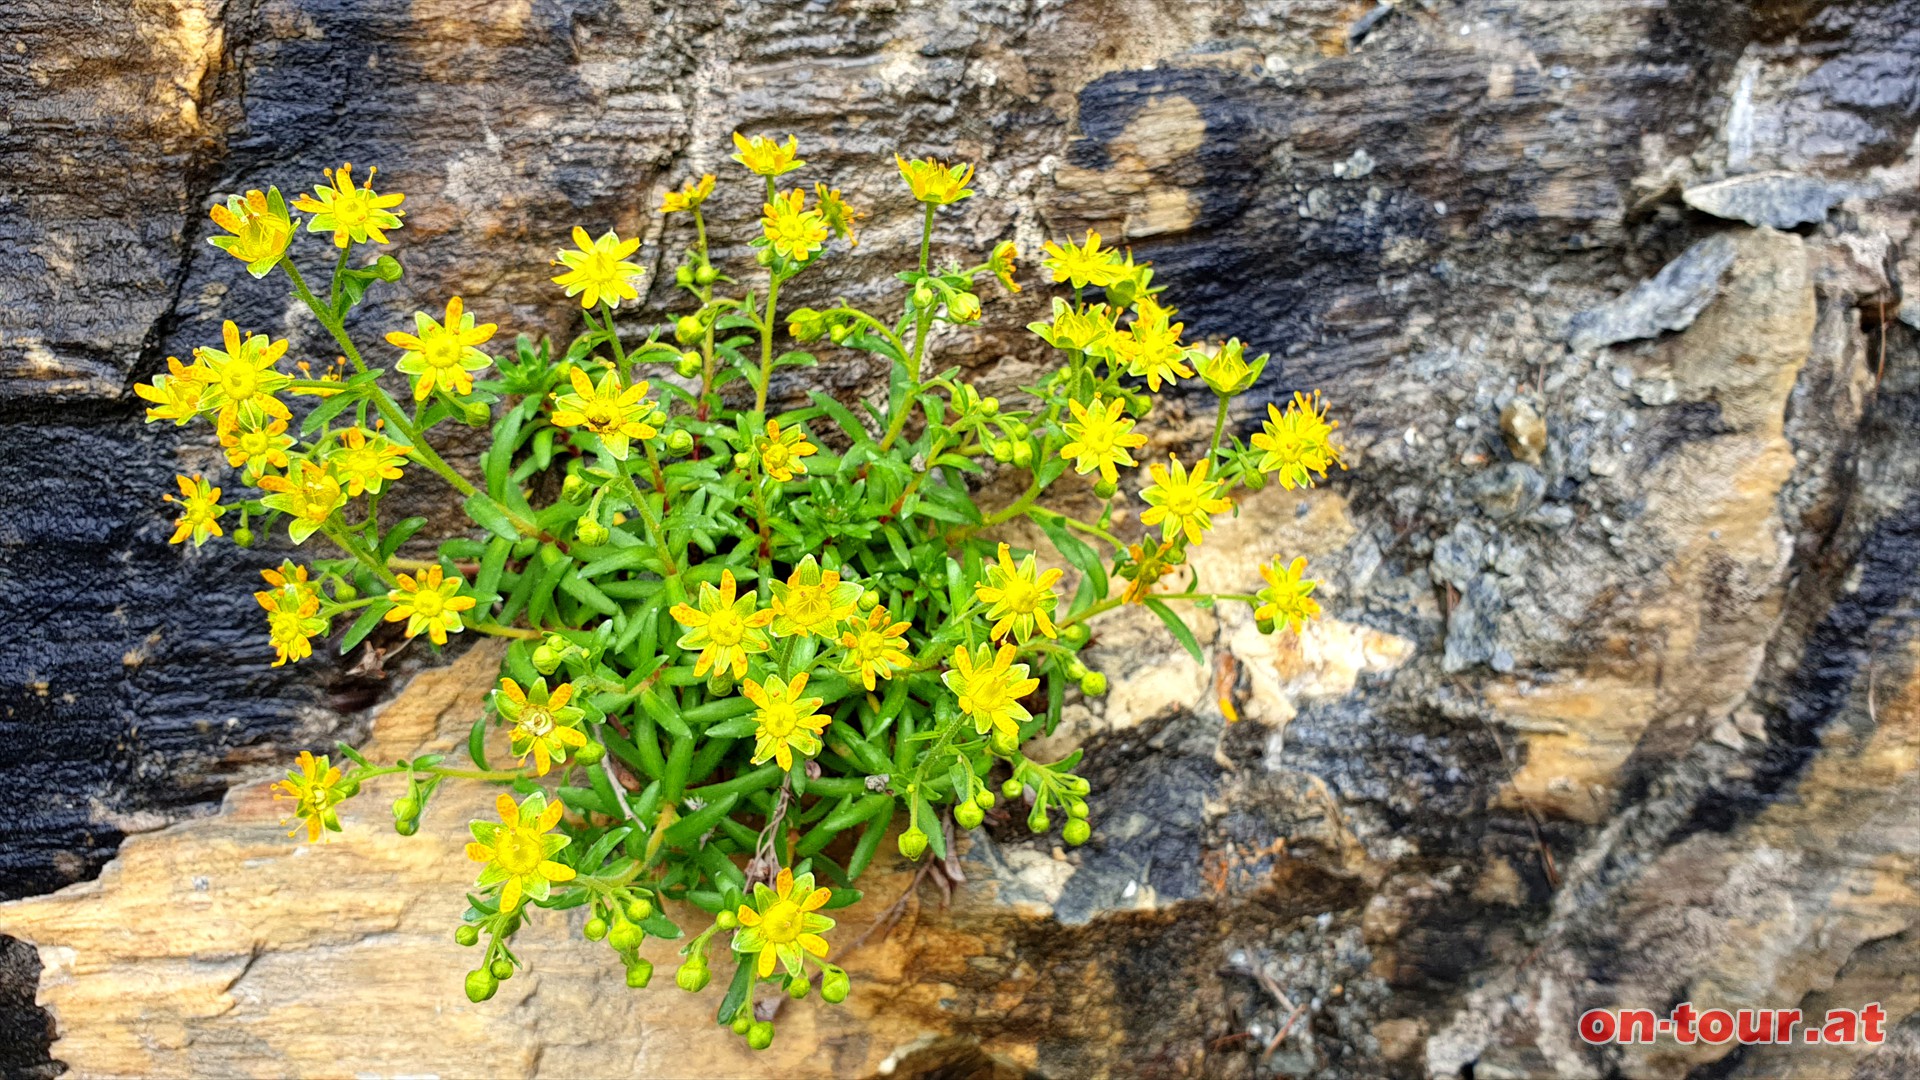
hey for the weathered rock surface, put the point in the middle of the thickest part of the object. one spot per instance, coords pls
(1612, 707)
(1775, 200)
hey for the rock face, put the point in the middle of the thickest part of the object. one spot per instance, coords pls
(1615, 700)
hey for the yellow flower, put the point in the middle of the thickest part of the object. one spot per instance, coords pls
(367, 462)
(291, 590)
(260, 226)
(1142, 570)
(1182, 502)
(614, 413)
(933, 182)
(176, 394)
(352, 214)
(598, 270)
(292, 607)
(291, 634)
(429, 603)
(257, 445)
(243, 378)
(723, 628)
(1299, 442)
(1000, 264)
(314, 788)
(1090, 331)
(765, 156)
(309, 501)
(785, 722)
(1152, 346)
(990, 686)
(519, 850)
(1102, 434)
(1089, 264)
(781, 450)
(811, 600)
(200, 510)
(544, 725)
(689, 197)
(1287, 599)
(442, 354)
(1021, 598)
(836, 213)
(1226, 370)
(782, 924)
(875, 648)
(790, 229)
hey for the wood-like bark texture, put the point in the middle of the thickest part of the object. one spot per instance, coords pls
(1615, 702)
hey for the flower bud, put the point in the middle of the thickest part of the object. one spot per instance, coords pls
(968, 815)
(575, 489)
(1076, 784)
(1076, 670)
(406, 807)
(985, 799)
(683, 275)
(743, 1020)
(704, 274)
(407, 827)
(990, 406)
(742, 459)
(1105, 489)
(1265, 626)
(1017, 429)
(545, 660)
(590, 754)
(590, 532)
(869, 600)
(913, 843)
(1038, 821)
(1001, 449)
(834, 985)
(964, 307)
(687, 329)
(595, 929)
(640, 909)
(1254, 479)
(688, 365)
(1076, 832)
(693, 975)
(922, 296)
(243, 536)
(658, 418)
(1076, 807)
(1004, 743)
(1013, 788)
(680, 441)
(625, 937)
(639, 973)
(1093, 683)
(726, 920)
(466, 934)
(479, 413)
(503, 969)
(760, 1035)
(799, 987)
(1023, 454)
(1075, 634)
(480, 985)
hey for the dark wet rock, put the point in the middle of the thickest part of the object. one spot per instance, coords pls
(1670, 300)
(1777, 200)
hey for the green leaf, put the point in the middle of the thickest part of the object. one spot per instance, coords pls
(364, 625)
(477, 744)
(399, 534)
(737, 990)
(1077, 551)
(488, 515)
(327, 410)
(1178, 628)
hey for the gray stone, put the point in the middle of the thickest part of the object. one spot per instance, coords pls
(1777, 200)
(1670, 300)
(1508, 490)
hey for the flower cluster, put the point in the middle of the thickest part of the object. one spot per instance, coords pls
(750, 626)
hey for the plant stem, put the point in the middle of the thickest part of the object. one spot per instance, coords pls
(345, 541)
(766, 346)
(324, 314)
(1219, 426)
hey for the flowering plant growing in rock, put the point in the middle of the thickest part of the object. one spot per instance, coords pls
(744, 642)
